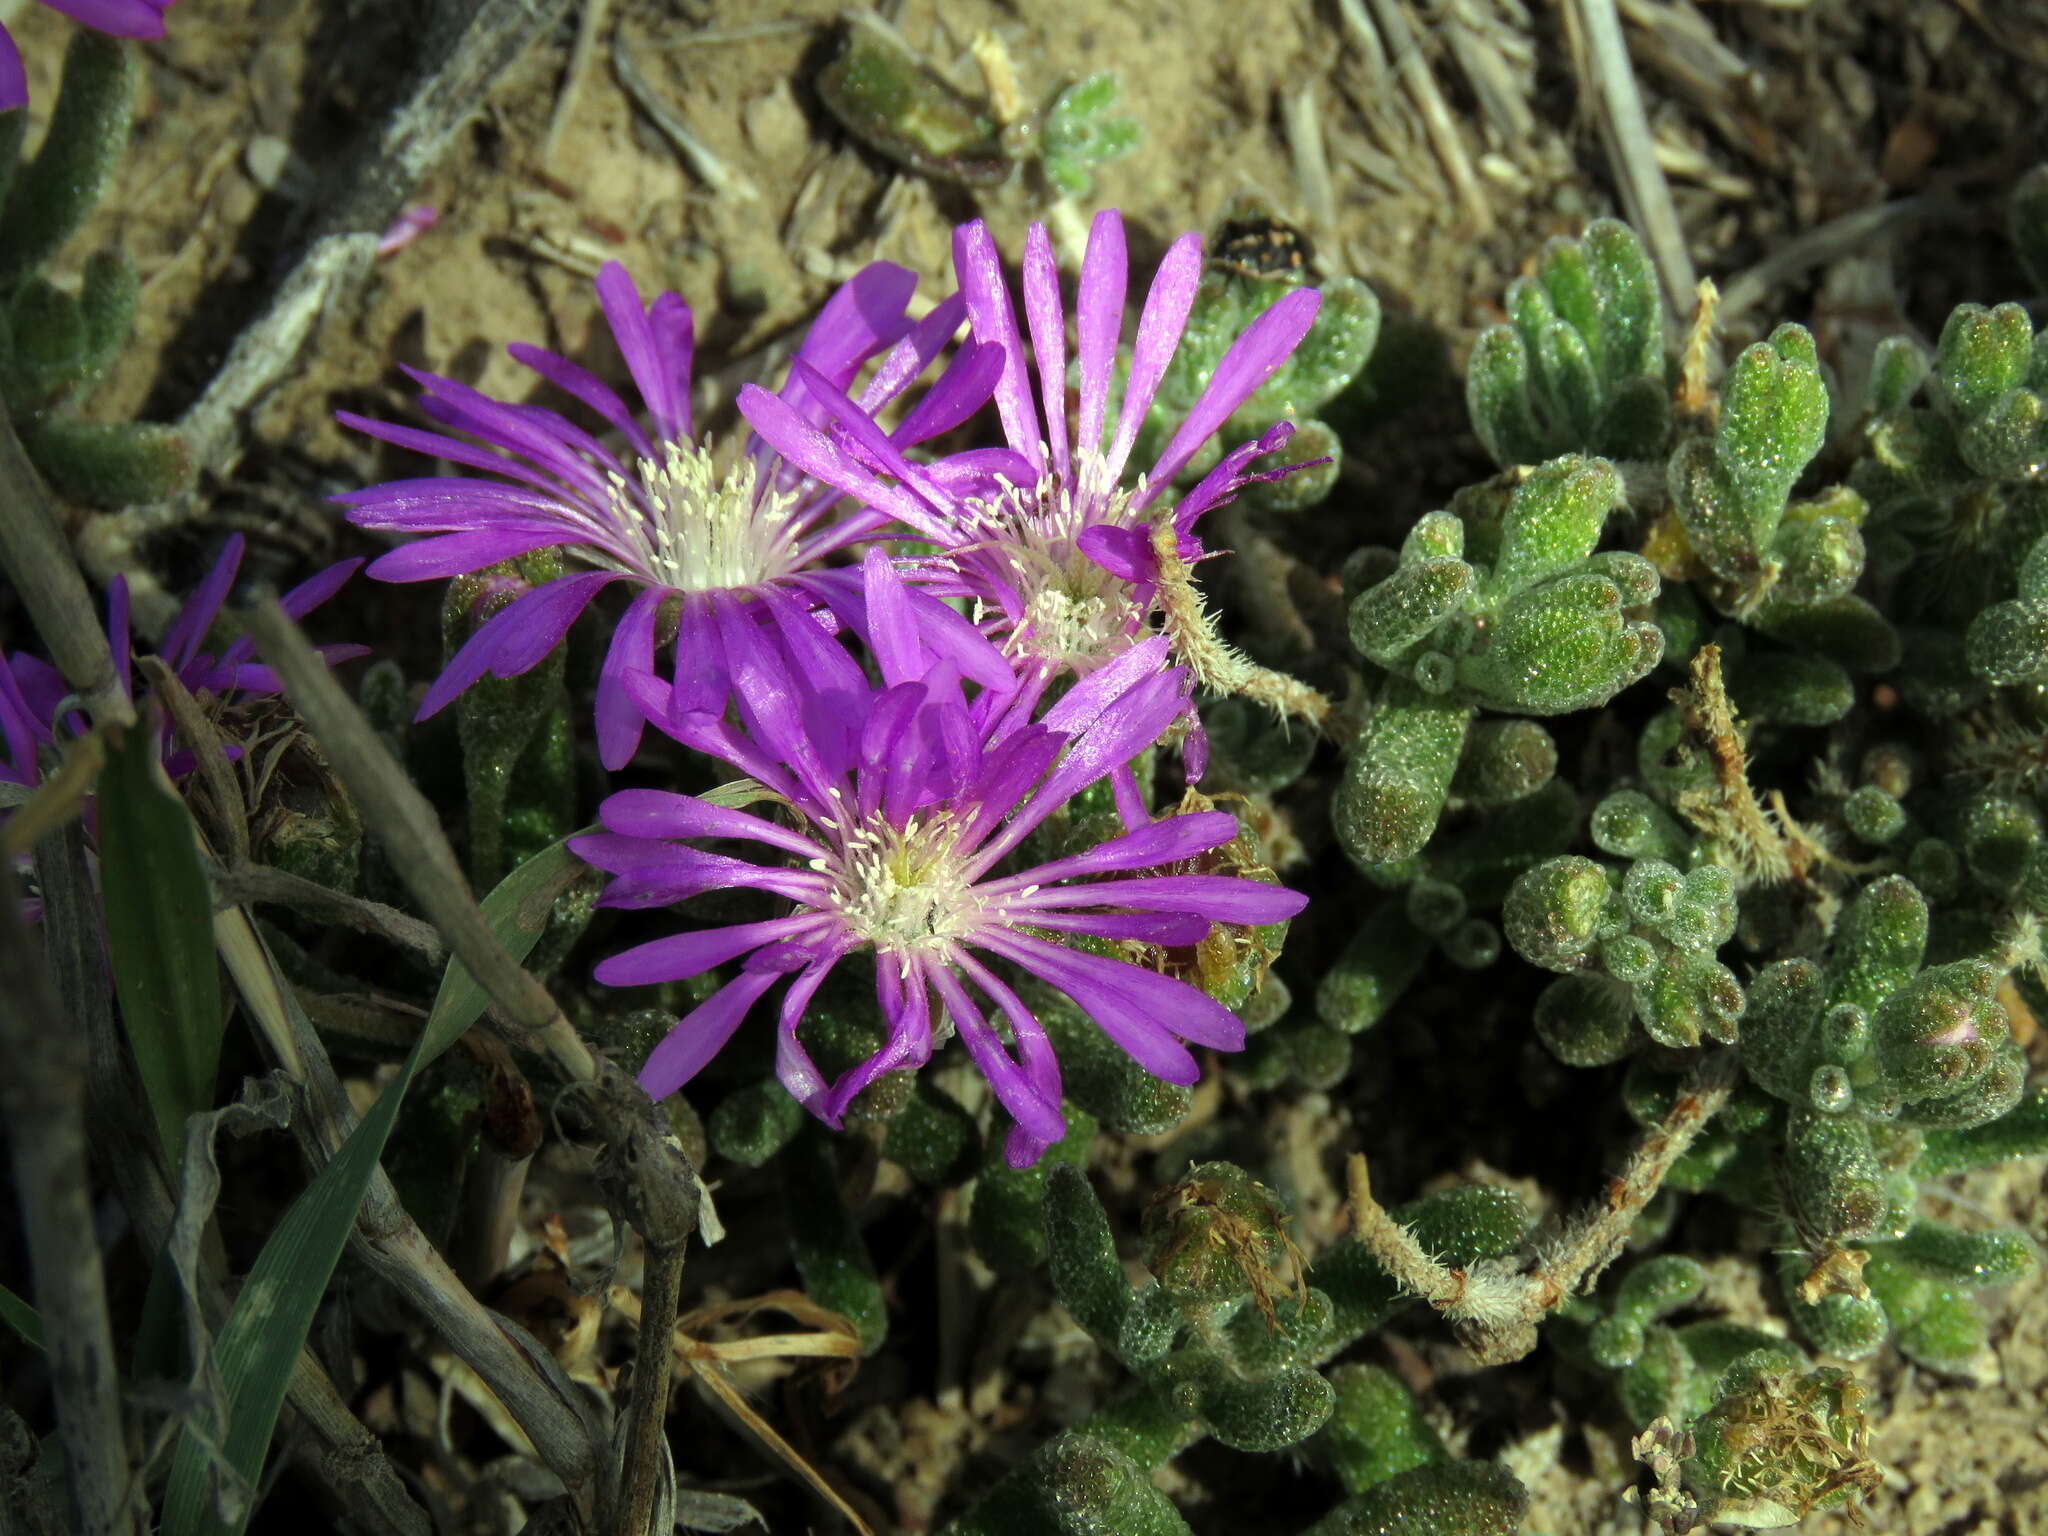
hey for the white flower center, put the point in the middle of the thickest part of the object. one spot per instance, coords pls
(904, 888)
(686, 527)
(1074, 612)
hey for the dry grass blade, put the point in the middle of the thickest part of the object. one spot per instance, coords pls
(707, 1360)
(1608, 81)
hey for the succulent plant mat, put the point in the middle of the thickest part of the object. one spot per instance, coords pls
(321, 194)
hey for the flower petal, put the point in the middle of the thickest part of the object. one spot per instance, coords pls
(1225, 898)
(701, 1033)
(1160, 325)
(1165, 841)
(683, 955)
(661, 376)
(658, 813)
(517, 637)
(1252, 359)
(13, 77)
(1099, 322)
(619, 721)
(573, 379)
(980, 273)
(1048, 322)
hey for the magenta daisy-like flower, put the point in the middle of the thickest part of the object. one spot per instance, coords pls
(32, 692)
(1050, 536)
(911, 800)
(665, 515)
(142, 19)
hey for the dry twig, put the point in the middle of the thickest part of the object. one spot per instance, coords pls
(42, 1096)
(1609, 80)
(1494, 1307)
(37, 558)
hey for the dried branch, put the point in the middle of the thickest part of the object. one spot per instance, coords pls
(507, 1138)
(589, 27)
(260, 885)
(1217, 665)
(465, 52)
(643, 1170)
(340, 1454)
(1609, 80)
(1829, 242)
(42, 1097)
(33, 548)
(391, 1242)
(1493, 1306)
(411, 833)
(1404, 52)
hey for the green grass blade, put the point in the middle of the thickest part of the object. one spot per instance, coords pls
(21, 1317)
(260, 1342)
(159, 914)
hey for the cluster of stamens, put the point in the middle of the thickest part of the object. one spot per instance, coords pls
(903, 888)
(1075, 613)
(693, 530)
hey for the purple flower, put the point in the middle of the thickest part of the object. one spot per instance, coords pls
(33, 693)
(119, 18)
(665, 517)
(910, 800)
(1048, 536)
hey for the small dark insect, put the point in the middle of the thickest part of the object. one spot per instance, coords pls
(1260, 247)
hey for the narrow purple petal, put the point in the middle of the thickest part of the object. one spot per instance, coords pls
(438, 445)
(1170, 930)
(961, 390)
(662, 378)
(862, 317)
(800, 442)
(657, 813)
(187, 633)
(576, 380)
(458, 554)
(701, 1033)
(1086, 700)
(117, 18)
(914, 353)
(517, 637)
(13, 78)
(980, 274)
(1160, 325)
(892, 633)
(793, 1065)
(1011, 1083)
(1225, 898)
(1125, 552)
(619, 721)
(1099, 321)
(1252, 359)
(1126, 1011)
(1048, 322)
(675, 338)
(1141, 716)
(1231, 474)
(1165, 841)
(680, 873)
(683, 955)
(906, 1010)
